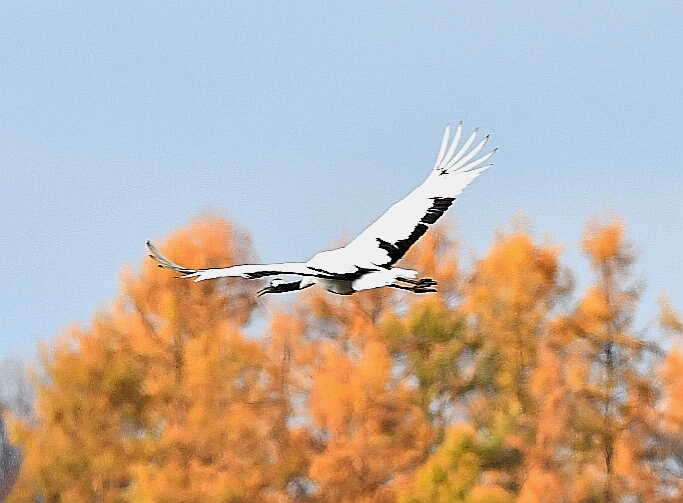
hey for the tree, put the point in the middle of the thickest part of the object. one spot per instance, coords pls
(499, 388)
(128, 406)
(671, 433)
(614, 396)
(597, 439)
(509, 303)
(481, 355)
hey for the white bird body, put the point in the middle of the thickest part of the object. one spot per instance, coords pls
(338, 286)
(368, 261)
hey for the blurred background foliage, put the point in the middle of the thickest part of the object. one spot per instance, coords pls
(509, 384)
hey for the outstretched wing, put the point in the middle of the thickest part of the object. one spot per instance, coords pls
(388, 238)
(247, 271)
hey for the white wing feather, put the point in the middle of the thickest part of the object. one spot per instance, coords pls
(389, 237)
(249, 271)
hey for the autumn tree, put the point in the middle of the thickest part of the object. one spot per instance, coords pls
(597, 436)
(162, 398)
(507, 301)
(671, 426)
(614, 395)
(511, 296)
(501, 387)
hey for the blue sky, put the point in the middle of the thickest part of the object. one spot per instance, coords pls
(303, 121)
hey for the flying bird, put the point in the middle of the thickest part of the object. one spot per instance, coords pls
(368, 261)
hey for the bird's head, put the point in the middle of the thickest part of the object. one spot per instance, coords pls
(272, 286)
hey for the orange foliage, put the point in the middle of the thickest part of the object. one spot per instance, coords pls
(671, 373)
(499, 388)
(603, 242)
(372, 430)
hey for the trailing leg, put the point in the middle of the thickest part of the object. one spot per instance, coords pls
(421, 283)
(416, 288)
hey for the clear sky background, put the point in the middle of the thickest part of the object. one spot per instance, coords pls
(303, 121)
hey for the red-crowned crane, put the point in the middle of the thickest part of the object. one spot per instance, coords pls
(368, 261)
